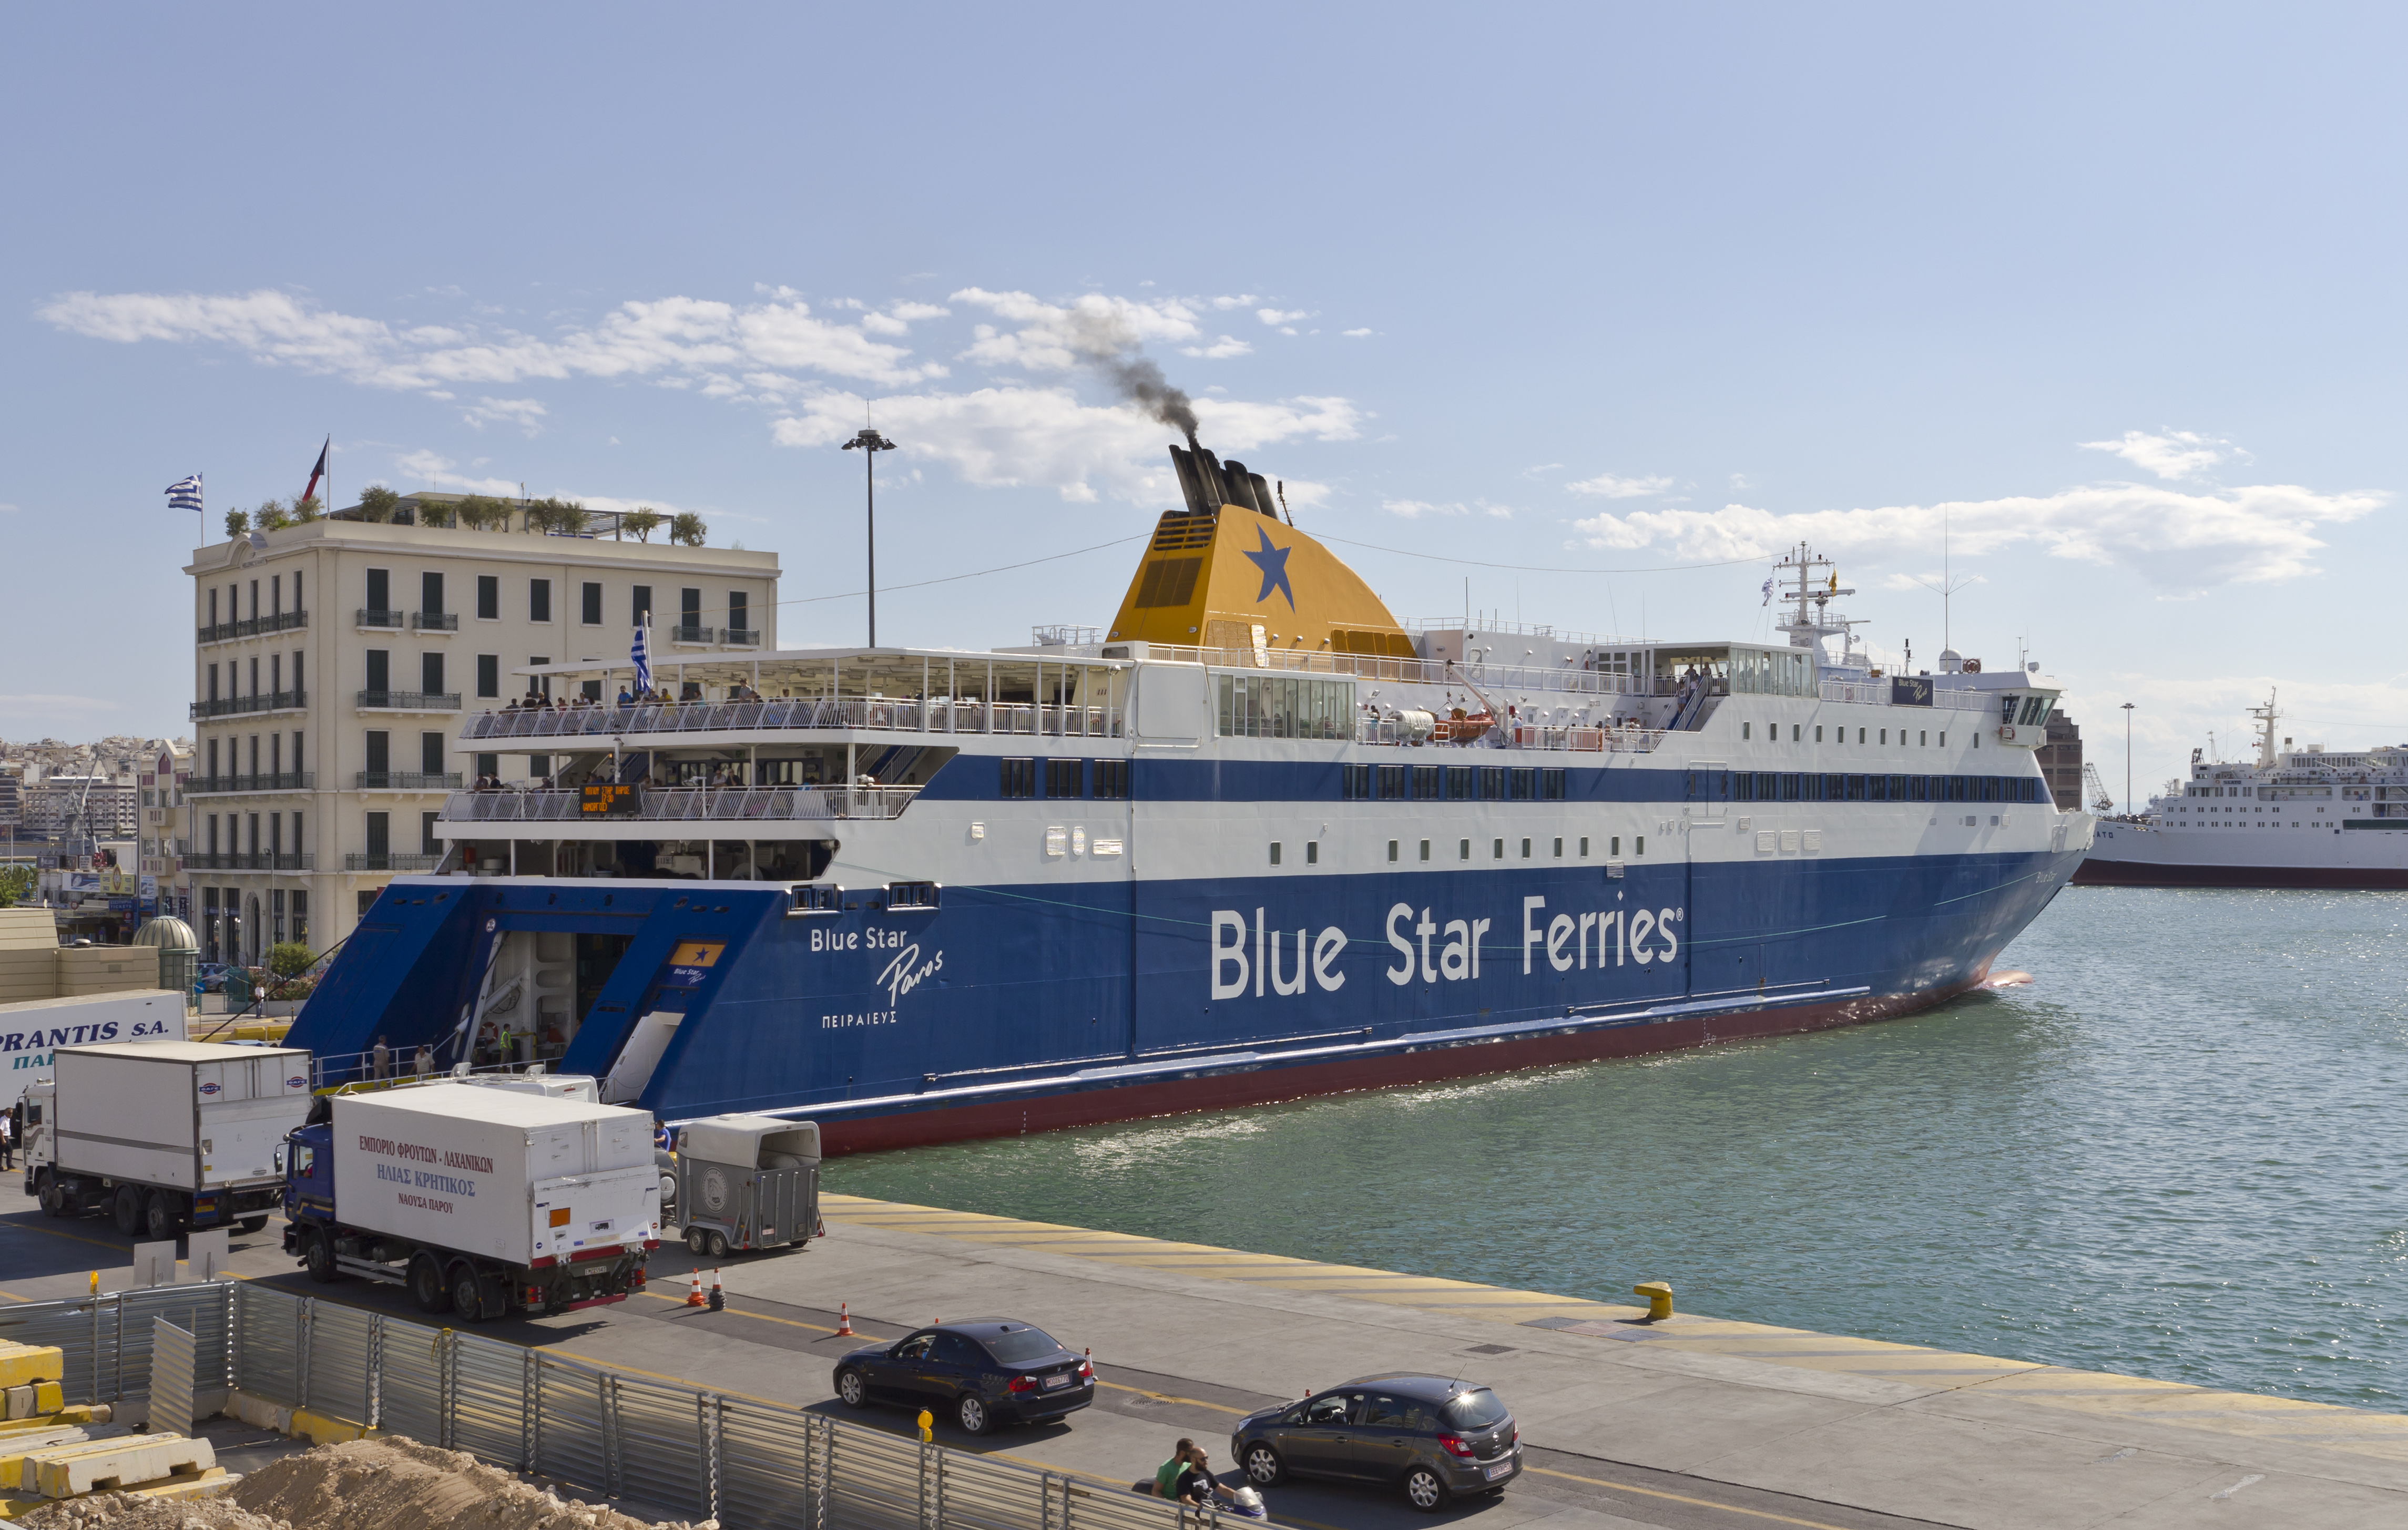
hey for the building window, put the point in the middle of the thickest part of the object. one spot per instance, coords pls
(380, 663)
(590, 604)
(379, 840)
(740, 615)
(430, 592)
(430, 674)
(429, 842)
(1019, 778)
(640, 604)
(430, 753)
(539, 600)
(489, 674)
(540, 685)
(300, 909)
(380, 752)
(213, 683)
(489, 597)
(690, 614)
(1113, 779)
(1063, 779)
(379, 590)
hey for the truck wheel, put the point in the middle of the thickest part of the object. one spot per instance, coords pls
(698, 1241)
(317, 1258)
(54, 1199)
(718, 1246)
(127, 1209)
(252, 1225)
(160, 1215)
(426, 1287)
(467, 1294)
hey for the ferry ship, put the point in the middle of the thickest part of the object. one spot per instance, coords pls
(2292, 818)
(1255, 839)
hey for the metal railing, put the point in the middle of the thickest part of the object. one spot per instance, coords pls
(384, 861)
(687, 633)
(1877, 693)
(408, 780)
(715, 804)
(265, 701)
(750, 1465)
(251, 860)
(411, 701)
(435, 621)
(871, 713)
(740, 636)
(254, 626)
(1409, 671)
(290, 781)
(380, 618)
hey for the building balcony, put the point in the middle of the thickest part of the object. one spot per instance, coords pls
(255, 627)
(408, 780)
(682, 633)
(290, 781)
(265, 701)
(382, 621)
(435, 621)
(409, 701)
(375, 859)
(250, 860)
(740, 636)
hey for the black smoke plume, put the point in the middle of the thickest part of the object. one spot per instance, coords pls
(1139, 379)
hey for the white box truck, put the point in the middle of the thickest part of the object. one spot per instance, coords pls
(165, 1134)
(480, 1201)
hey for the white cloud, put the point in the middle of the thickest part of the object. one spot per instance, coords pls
(424, 469)
(526, 413)
(1929, 580)
(1606, 486)
(1221, 350)
(1275, 317)
(2176, 454)
(1354, 333)
(1054, 337)
(2183, 543)
(1414, 509)
(673, 338)
(1243, 300)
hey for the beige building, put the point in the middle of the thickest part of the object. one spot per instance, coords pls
(333, 661)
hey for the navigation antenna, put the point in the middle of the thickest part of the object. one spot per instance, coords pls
(1817, 586)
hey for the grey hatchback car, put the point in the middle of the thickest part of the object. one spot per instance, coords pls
(1430, 1437)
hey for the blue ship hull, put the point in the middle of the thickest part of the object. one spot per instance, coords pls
(1023, 1008)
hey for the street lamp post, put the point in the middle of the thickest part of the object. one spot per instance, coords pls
(871, 444)
(2127, 759)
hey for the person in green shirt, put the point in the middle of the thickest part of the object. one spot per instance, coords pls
(1165, 1477)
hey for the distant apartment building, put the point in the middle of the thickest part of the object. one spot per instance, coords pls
(2060, 757)
(66, 806)
(164, 837)
(333, 660)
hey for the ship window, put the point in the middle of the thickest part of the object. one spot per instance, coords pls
(1743, 729)
(1559, 850)
(1584, 847)
(1429, 782)
(1525, 785)
(1425, 850)
(1943, 739)
(1275, 852)
(1312, 853)
(1358, 782)
(1819, 732)
(1283, 707)
(1463, 849)
(1392, 851)
(1551, 785)
(1113, 779)
(1063, 779)
(910, 894)
(1019, 778)
(1492, 783)
(1393, 780)
(1639, 844)
(1459, 782)
(1498, 852)
(1855, 789)
(1884, 736)
(1795, 730)
(1168, 581)
(1615, 845)
(1860, 736)
(1526, 849)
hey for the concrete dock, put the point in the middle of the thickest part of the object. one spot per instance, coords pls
(1695, 1421)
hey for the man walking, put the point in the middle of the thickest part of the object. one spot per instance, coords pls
(380, 1061)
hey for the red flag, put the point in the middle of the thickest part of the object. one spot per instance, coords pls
(320, 471)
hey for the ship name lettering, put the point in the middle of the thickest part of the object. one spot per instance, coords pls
(836, 940)
(1268, 968)
(907, 971)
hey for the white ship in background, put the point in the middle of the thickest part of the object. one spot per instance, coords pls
(2294, 818)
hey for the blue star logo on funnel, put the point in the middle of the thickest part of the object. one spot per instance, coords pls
(1272, 560)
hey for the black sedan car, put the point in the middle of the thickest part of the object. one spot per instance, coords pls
(984, 1373)
(1429, 1435)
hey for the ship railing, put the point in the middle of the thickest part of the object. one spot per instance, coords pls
(1877, 693)
(1584, 739)
(1374, 666)
(688, 803)
(940, 714)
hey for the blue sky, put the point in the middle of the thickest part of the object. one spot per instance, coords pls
(2114, 291)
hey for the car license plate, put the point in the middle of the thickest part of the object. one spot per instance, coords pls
(1052, 1381)
(1492, 1473)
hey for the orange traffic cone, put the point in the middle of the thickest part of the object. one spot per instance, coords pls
(694, 1292)
(844, 1321)
(718, 1297)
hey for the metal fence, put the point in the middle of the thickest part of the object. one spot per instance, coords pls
(751, 1465)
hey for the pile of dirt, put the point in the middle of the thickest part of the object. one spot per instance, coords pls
(396, 1484)
(390, 1483)
(123, 1511)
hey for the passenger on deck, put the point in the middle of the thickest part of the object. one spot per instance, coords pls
(625, 697)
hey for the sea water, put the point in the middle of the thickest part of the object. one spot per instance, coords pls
(2177, 1153)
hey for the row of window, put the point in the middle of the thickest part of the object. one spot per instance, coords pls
(233, 932)
(275, 676)
(1795, 786)
(1452, 783)
(1463, 849)
(539, 600)
(1864, 736)
(1068, 778)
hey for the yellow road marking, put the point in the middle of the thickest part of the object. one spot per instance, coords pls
(1685, 1499)
(757, 1317)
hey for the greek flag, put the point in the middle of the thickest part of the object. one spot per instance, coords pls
(185, 494)
(640, 652)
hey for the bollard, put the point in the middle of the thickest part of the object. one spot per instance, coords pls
(1659, 1299)
(718, 1297)
(927, 1427)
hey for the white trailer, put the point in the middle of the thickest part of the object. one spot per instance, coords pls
(165, 1134)
(481, 1201)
